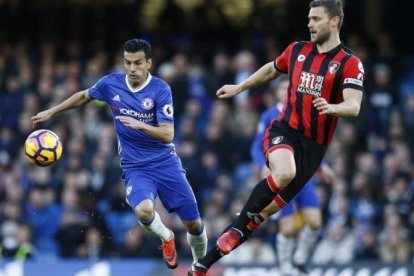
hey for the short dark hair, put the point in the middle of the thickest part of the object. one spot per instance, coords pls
(136, 45)
(333, 8)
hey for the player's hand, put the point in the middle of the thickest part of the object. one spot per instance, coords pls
(41, 117)
(322, 106)
(130, 122)
(228, 91)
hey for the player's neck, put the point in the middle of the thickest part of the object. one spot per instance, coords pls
(329, 44)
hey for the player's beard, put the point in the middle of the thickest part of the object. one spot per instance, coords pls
(322, 36)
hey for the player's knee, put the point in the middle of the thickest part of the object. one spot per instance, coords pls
(313, 218)
(288, 232)
(315, 224)
(283, 177)
(287, 226)
(144, 213)
(193, 227)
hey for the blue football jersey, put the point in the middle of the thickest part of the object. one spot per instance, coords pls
(150, 103)
(256, 149)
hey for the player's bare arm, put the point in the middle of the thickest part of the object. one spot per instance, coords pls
(164, 132)
(78, 99)
(265, 74)
(348, 108)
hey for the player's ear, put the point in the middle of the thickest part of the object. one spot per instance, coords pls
(149, 63)
(335, 21)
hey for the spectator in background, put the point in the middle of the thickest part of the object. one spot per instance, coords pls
(16, 241)
(179, 86)
(43, 216)
(365, 210)
(244, 65)
(367, 249)
(73, 223)
(337, 246)
(382, 98)
(219, 73)
(408, 118)
(12, 102)
(137, 244)
(94, 247)
(394, 245)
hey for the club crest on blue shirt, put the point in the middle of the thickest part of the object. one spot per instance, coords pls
(147, 103)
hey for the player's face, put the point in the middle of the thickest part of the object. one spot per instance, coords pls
(136, 67)
(319, 25)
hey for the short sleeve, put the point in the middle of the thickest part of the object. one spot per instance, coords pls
(164, 106)
(353, 74)
(97, 91)
(281, 63)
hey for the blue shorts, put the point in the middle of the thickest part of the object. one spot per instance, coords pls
(306, 198)
(168, 182)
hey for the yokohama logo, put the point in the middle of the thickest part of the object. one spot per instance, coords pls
(136, 114)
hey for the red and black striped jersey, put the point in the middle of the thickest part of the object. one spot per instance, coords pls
(313, 74)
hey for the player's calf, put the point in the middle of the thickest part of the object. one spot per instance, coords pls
(259, 198)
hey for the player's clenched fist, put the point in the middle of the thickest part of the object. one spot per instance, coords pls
(228, 91)
(130, 122)
(322, 106)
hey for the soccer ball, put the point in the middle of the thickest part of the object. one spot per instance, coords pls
(43, 148)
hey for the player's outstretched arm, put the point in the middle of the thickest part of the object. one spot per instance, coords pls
(78, 99)
(265, 74)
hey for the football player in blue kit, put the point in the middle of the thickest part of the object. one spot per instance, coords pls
(142, 109)
(306, 203)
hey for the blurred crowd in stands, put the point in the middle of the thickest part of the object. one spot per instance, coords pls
(76, 208)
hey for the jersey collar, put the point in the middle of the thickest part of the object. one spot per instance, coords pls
(139, 88)
(330, 52)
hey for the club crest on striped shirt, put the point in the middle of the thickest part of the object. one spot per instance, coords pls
(333, 66)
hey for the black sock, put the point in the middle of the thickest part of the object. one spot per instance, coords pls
(211, 257)
(259, 198)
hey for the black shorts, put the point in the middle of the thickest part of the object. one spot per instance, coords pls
(308, 156)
